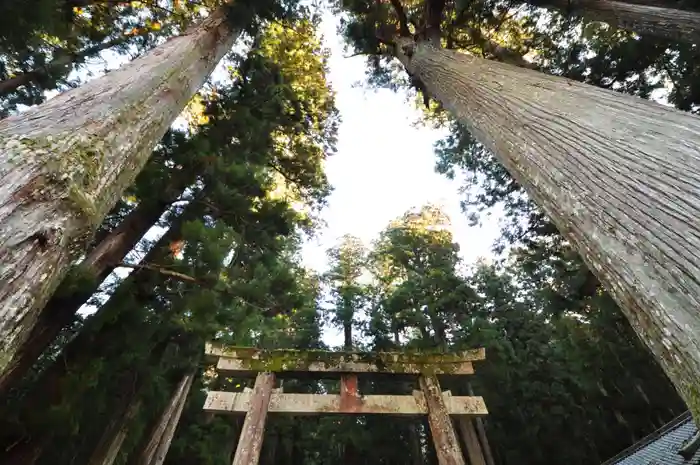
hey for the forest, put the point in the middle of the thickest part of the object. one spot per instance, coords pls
(162, 165)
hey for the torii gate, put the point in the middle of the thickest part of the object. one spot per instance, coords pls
(268, 365)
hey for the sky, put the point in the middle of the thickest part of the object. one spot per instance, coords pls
(384, 165)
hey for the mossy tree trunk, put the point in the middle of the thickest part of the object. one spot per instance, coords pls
(617, 174)
(64, 164)
(83, 281)
(107, 324)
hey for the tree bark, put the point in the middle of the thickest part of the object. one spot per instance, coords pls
(481, 432)
(471, 441)
(64, 164)
(162, 432)
(99, 327)
(169, 433)
(658, 21)
(116, 431)
(677, 5)
(617, 174)
(100, 262)
(347, 336)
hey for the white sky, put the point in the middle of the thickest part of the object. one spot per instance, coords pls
(384, 166)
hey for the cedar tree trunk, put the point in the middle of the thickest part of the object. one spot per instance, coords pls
(64, 164)
(163, 430)
(100, 262)
(617, 174)
(644, 19)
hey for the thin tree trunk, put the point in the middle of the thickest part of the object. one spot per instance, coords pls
(269, 450)
(416, 448)
(130, 388)
(677, 5)
(63, 61)
(60, 310)
(64, 164)
(481, 432)
(147, 453)
(116, 431)
(347, 336)
(47, 390)
(25, 452)
(470, 441)
(617, 174)
(644, 19)
(169, 433)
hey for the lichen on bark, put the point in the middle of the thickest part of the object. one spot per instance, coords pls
(65, 163)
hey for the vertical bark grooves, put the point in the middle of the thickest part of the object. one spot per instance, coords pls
(100, 262)
(65, 163)
(644, 19)
(471, 441)
(617, 174)
(169, 432)
(146, 453)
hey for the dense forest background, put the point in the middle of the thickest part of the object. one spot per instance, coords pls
(212, 228)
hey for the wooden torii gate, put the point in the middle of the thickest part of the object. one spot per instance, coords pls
(268, 365)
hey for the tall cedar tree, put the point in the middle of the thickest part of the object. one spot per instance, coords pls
(62, 173)
(183, 163)
(43, 42)
(577, 150)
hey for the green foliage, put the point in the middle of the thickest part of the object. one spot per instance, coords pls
(47, 45)
(347, 265)
(561, 364)
(238, 191)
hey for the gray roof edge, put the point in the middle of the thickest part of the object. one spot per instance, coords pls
(648, 439)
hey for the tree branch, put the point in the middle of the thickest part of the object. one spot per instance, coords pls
(270, 312)
(163, 271)
(501, 53)
(403, 19)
